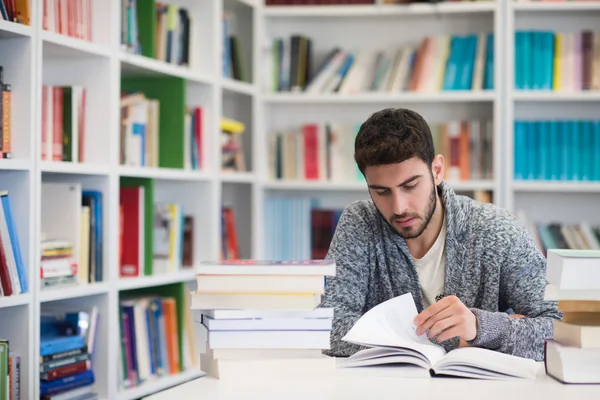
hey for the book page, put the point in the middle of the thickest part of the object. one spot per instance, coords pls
(503, 364)
(391, 324)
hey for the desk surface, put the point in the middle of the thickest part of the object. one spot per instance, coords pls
(377, 383)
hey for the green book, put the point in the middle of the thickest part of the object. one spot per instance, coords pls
(4, 369)
(146, 25)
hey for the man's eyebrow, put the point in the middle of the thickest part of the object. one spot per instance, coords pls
(406, 182)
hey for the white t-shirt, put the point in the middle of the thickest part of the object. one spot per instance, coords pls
(431, 269)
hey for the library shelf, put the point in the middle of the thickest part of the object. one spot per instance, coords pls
(15, 164)
(556, 6)
(58, 46)
(164, 173)
(129, 283)
(237, 177)
(548, 95)
(362, 186)
(160, 384)
(378, 10)
(13, 29)
(375, 98)
(556, 186)
(15, 300)
(240, 87)
(64, 167)
(73, 292)
(138, 65)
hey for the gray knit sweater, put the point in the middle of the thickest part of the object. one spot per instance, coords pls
(492, 265)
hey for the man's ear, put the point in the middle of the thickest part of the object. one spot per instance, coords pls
(437, 169)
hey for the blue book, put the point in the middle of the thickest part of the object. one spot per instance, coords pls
(554, 143)
(519, 146)
(489, 63)
(14, 240)
(66, 383)
(596, 149)
(59, 344)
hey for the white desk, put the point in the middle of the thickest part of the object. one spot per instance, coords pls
(378, 384)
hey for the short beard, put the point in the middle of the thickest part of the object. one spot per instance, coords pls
(428, 216)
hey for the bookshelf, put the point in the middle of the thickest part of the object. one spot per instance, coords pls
(32, 57)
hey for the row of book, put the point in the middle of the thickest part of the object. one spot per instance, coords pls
(557, 61)
(10, 371)
(152, 344)
(140, 134)
(155, 237)
(5, 117)
(325, 151)
(557, 150)
(572, 355)
(67, 17)
(157, 30)
(233, 63)
(13, 268)
(262, 319)
(436, 63)
(63, 123)
(72, 235)
(67, 352)
(555, 235)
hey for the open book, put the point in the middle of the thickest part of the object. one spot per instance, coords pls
(390, 333)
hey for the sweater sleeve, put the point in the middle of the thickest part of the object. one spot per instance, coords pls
(346, 292)
(522, 286)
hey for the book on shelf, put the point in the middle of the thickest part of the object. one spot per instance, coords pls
(63, 123)
(557, 61)
(10, 370)
(572, 355)
(557, 149)
(263, 317)
(158, 128)
(325, 151)
(13, 267)
(157, 30)
(71, 18)
(389, 333)
(67, 352)
(560, 235)
(229, 235)
(234, 65)
(72, 235)
(15, 11)
(232, 152)
(154, 237)
(6, 133)
(433, 64)
(157, 339)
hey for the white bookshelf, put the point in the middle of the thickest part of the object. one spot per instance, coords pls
(566, 201)
(32, 57)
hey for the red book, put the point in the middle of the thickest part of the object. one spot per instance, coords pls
(311, 151)
(132, 251)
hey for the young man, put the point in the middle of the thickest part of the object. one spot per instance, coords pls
(466, 263)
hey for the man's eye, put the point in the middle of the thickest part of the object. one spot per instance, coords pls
(385, 192)
(410, 187)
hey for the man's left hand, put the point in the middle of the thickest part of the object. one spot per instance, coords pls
(446, 319)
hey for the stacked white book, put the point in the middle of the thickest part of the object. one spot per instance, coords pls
(262, 318)
(573, 356)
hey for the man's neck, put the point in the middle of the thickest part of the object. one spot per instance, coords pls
(420, 246)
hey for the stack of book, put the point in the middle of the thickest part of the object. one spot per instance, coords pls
(262, 318)
(573, 356)
(66, 351)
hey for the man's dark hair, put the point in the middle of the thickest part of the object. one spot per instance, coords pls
(391, 136)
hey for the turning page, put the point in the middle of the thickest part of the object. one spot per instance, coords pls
(390, 324)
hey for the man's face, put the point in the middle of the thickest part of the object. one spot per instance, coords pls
(405, 195)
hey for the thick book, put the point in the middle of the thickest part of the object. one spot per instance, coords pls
(389, 333)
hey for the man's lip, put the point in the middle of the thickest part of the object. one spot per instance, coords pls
(404, 220)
